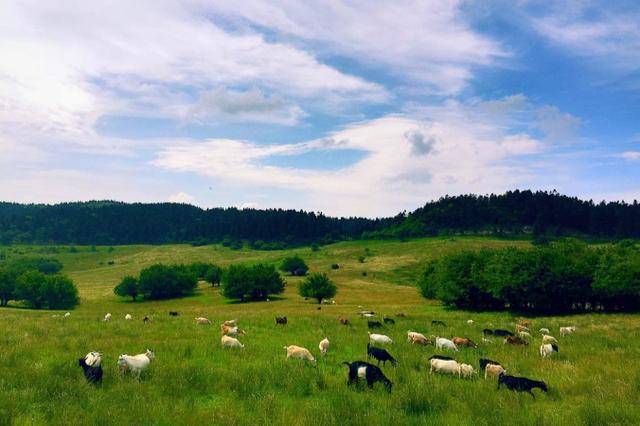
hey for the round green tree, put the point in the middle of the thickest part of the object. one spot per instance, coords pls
(213, 275)
(295, 266)
(128, 287)
(318, 286)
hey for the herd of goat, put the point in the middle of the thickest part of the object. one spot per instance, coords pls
(362, 370)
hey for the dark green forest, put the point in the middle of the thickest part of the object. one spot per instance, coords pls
(515, 213)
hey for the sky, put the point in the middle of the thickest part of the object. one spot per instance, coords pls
(351, 108)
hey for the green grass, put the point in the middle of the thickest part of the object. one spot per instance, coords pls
(595, 378)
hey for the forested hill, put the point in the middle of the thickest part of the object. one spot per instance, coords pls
(107, 222)
(518, 212)
(512, 213)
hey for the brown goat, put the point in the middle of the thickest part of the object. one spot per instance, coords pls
(344, 321)
(463, 341)
(515, 340)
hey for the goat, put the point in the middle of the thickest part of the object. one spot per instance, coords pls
(544, 331)
(442, 343)
(463, 341)
(281, 320)
(546, 350)
(487, 332)
(299, 352)
(564, 331)
(230, 342)
(380, 355)
(324, 346)
(379, 338)
(484, 362)
(494, 370)
(91, 367)
(515, 340)
(344, 321)
(501, 332)
(388, 320)
(202, 321)
(445, 366)
(438, 322)
(521, 384)
(107, 317)
(374, 324)
(173, 314)
(136, 364)
(369, 372)
(442, 357)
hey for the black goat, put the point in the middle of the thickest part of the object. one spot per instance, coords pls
(521, 384)
(438, 322)
(442, 357)
(92, 374)
(173, 314)
(501, 332)
(281, 320)
(484, 362)
(369, 372)
(487, 332)
(146, 320)
(374, 324)
(380, 355)
(388, 320)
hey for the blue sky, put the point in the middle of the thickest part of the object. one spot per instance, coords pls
(346, 107)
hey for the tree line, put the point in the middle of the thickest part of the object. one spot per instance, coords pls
(108, 223)
(562, 277)
(540, 213)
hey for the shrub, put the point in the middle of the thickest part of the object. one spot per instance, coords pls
(166, 282)
(315, 247)
(317, 286)
(361, 259)
(199, 269)
(7, 285)
(251, 282)
(44, 265)
(295, 266)
(617, 278)
(128, 287)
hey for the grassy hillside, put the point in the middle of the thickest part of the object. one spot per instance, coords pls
(593, 380)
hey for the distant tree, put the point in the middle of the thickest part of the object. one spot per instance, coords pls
(213, 275)
(60, 292)
(44, 265)
(294, 265)
(361, 259)
(128, 287)
(318, 286)
(166, 282)
(251, 282)
(315, 247)
(199, 269)
(7, 285)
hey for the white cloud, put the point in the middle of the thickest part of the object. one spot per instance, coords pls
(428, 41)
(183, 198)
(461, 149)
(222, 104)
(64, 66)
(630, 155)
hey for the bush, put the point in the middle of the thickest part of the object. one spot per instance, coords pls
(315, 247)
(39, 291)
(44, 265)
(295, 266)
(561, 277)
(251, 282)
(166, 282)
(199, 269)
(317, 286)
(128, 287)
(7, 285)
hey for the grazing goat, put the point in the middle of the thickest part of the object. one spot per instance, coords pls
(444, 366)
(521, 384)
(128, 317)
(487, 332)
(463, 341)
(368, 315)
(515, 340)
(520, 328)
(380, 355)
(466, 370)
(438, 322)
(230, 323)
(146, 319)
(298, 352)
(413, 334)
(419, 339)
(442, 343)
(501, 332)
(67, 315)
(401, 315)
(442, 357)
(91, 367)
(231, 331)
(564, 331)
(135, 364)
(549, 339)
(546, 350)
(107, 317)
(484, 362)
(324, 346)
(494, 370)
(173, 314)
(202, 321)
(344, 321)
(230, 342)
(388, 320)
(379, 338)
(524, 335)
(281, 320)
(374, 324)
(544, 331)
(470, 322)
(369, 372)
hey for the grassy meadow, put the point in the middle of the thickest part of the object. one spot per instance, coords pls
(595, 379)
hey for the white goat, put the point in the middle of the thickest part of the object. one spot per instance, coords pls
(136, 364)
(379, 338)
